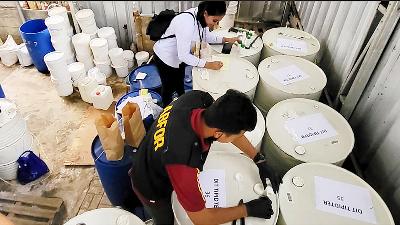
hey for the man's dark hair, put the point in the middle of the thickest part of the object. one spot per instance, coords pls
(213, 8)
(231, 113)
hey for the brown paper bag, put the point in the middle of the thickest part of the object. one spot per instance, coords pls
(133, 124)
(110, 137)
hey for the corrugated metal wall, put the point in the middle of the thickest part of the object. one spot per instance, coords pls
(337, 25)
(343, 29)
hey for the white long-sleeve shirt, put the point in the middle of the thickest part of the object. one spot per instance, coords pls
(173, 51)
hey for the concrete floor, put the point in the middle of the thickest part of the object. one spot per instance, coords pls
(53, 120)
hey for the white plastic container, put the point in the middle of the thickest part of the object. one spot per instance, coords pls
(122, 71)
(57, 66)
(109, 34)
(116, 56)
(237, 73)
(99, 48)
(242, 181)
(106, 216)
(9, 171)
(62, 11)
(102, 97)
(104, 67)
(97, 75)
(56, 26)
(283, 77)
(77, 71)
(63, 88)
(86, 86)
(252, 54)
(142, 57)
(255, 137)
(81, 44)
(7, 52)
(290, 41)
(23, 55)
(324, 194)
(86, 20)
(64, 45)
(129, 56)
(303, 130)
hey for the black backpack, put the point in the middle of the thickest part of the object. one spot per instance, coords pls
(160, 23)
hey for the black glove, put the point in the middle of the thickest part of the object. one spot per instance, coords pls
(260, 208)
(266, 171)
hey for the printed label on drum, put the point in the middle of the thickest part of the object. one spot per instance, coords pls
(289, 74)
(344, 199)
(310, 128)
(212, 184)
(290, 44)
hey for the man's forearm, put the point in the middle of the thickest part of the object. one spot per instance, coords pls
(218, 215)
(245, 146)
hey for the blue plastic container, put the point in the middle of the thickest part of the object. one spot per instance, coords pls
(1, 93)
(147, 121)
(152, 81)
(114, 176)
(37, 39)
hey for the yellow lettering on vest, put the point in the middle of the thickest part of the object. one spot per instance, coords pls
(161, 124)
(162, 120)
(159, 138)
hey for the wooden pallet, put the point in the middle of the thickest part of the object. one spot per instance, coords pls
(29, 210)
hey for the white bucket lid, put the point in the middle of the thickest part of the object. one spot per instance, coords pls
(84, 14)
(307, 44)
(255, 49)
(106, 32)
(241, 178)
(55, 21)
(98, 42)
(53, 56)
(76, 67)
(56, 11)
(128, 55)
(309, 131)
(273, 69)
(298, 198)
(240, 74)
(255, 136)
(115, 52)
(106, 216)
(142, 55)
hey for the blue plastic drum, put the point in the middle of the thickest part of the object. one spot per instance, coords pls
(152, 81)
(37, 39)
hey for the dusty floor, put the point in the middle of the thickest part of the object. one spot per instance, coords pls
(53, 120)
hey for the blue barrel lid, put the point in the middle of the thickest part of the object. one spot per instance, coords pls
(97, 150)
(153, 94)
(151, 81)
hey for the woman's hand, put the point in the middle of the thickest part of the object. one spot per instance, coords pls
(216, 65)
(231, 40)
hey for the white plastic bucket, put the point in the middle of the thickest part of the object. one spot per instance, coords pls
(23, 55)
(112, 43)
(92, 29)
(9, 171)
(63, 88)
(97, 75)
(104, 67)
(8, 57)
(129, 56)
(64, 45)
(116, 56)
(55, 61)
(122, 71)
(81, 44)
(56, 26)
(61, 11)
(142, 57)
(107, 33)
(77, 71)
(85, 17)
(99, 48)
(86, 86)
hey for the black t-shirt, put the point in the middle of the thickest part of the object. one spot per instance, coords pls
(170, 140)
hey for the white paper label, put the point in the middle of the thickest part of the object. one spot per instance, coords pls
(344, 199)
(141, 76)
(212, 184)
(310, 128)
(290, 44)
(288, 75)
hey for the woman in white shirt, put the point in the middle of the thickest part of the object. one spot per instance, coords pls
(171, 54)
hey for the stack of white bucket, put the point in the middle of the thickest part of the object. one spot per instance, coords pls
(60, 76)
(99, 48)
(83, 53)
(109, 34)
(62, 11)
(7, 52)
(228, 20)
(87, 22)
(118, 61)
(77, 72)
(60, 37)
(15, 139)
(129, 56)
